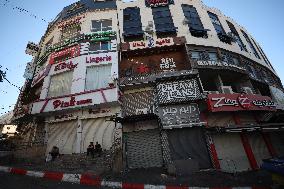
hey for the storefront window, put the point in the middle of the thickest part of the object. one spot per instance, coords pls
(60, 84)
(98, 77)
(101, 25)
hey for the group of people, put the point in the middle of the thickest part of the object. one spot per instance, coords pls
(92, 150)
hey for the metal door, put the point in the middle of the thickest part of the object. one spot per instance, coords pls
(144, 149)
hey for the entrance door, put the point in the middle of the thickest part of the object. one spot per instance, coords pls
(144, 149)
(187, 144)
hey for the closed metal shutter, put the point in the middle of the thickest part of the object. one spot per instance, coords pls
(97, 130)
(258, 147)
(144, 149)
(187, 144)
(277, 140)
(62, 135)
(230, 151)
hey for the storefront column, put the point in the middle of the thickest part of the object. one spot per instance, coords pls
(249, 151)
(269, 144)
(213, 152)
(79, 136)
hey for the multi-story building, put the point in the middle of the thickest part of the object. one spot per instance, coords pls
(189, 86)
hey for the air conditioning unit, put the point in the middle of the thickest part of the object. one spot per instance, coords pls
(149, 29)
(227, 90)
(141, 111)
(248, 90)
(185, 21)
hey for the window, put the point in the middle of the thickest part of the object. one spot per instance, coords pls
(237, 36)
(163, 20)
(101, 25)
(98, 77)
(100, 46)
(60, 84)
(229, 58)
(216, 23)
(132, 25)
(203, 55)
(213, 56)
(250, 44)
(219, 29)
(236, 61)
(70, 32)
(194, 23)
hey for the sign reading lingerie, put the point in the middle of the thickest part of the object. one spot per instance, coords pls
(182, 115)
(178, 91)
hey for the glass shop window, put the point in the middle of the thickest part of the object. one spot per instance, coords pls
(98, 77)
(60, 84)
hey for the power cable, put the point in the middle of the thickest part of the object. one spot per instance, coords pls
(20, 9)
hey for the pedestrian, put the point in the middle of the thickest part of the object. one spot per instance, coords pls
(98, 149)
(54, 153)
(91, 149)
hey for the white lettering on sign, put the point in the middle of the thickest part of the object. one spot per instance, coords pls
(223, 101)
(167, 64)
(151, 43)
(217, 63)
(177, 91)
(155, 3)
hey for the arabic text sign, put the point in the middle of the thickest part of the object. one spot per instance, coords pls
(205, 63)
(179, 115)
(151, 43)
(178, 91)
(239, 102)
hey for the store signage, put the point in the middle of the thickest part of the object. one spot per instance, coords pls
(239, 102)
(65, 54)
(32, 49)
(156, 3)
(179, 115)
(65, 66)
(205, 63)
(98, 59)
(178, 91)
(68, 23)
(71, 103)
(150, 43)
(41, 75)
(168, 64)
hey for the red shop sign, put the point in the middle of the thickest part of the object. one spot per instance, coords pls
(239, 102)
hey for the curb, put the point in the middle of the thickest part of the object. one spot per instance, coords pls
(93, 180)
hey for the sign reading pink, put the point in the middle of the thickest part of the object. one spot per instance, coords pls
(64, 65)
(71, 102)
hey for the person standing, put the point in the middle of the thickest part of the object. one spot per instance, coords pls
(91, 149)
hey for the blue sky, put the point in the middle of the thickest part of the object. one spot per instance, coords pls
(263, 19)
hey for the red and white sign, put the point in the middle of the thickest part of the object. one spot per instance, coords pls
(75, 100)
(155, 3)
(68, 53)
(239, 102)
(151, 43)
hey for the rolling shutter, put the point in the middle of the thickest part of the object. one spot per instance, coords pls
(62, 135)
(144, 149)
(258, 147)
(230, 151)
(97, 130)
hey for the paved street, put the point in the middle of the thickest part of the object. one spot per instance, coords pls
(9, 181)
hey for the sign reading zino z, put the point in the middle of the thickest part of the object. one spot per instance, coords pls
(239, 102)
(156, 3)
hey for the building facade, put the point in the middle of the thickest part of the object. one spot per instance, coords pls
(169, 82)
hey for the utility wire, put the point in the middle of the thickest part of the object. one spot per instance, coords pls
(20, 9)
